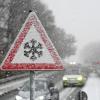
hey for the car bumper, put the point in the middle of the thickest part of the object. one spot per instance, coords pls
(66, 84)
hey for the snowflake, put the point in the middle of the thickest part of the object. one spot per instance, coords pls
(33, 49)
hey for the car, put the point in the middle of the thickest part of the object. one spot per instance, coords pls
(73, 80)
(43, 90)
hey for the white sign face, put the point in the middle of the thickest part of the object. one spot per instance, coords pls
(32, 49)
(36, 51)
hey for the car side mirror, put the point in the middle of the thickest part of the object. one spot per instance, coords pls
(54, 90)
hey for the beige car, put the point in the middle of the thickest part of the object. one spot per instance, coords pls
(73, 80)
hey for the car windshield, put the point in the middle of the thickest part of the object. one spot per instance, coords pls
(40, 85)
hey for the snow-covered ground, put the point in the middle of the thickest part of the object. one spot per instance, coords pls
(92, 87)
(4, 88)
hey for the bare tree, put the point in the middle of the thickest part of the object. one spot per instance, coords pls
(4, 15)
(19, 10)
(64, 43)
(12, 16)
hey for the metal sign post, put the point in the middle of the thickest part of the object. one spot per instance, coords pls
(32, 85)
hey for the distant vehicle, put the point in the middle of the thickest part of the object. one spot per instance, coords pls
(73, 80)
(44, 90)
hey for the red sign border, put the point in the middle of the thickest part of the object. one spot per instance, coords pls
(32, 20)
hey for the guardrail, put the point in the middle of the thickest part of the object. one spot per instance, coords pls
(11, 78)
(15, 77)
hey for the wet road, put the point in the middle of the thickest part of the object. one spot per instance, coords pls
(92, 87)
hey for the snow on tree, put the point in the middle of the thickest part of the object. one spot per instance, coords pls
(64, 43)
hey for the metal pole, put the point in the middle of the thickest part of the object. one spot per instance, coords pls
(32, 85)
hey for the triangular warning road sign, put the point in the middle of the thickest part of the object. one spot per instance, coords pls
(32, 49)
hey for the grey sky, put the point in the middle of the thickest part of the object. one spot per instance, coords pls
(79, 17)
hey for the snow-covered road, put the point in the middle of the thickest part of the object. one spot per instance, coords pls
(66, 92)
(92, 87)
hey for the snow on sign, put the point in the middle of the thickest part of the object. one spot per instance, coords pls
(32, 49)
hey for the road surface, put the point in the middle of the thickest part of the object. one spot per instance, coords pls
(92, 87)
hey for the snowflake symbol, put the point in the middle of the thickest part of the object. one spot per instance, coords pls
(33, 49)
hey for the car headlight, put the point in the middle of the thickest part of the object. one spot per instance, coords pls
(80, 78)
(19, 98)
(64, 78)
(40, 98)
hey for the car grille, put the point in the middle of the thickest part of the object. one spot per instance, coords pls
(72, 81)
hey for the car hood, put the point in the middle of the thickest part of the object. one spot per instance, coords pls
(24, 94)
